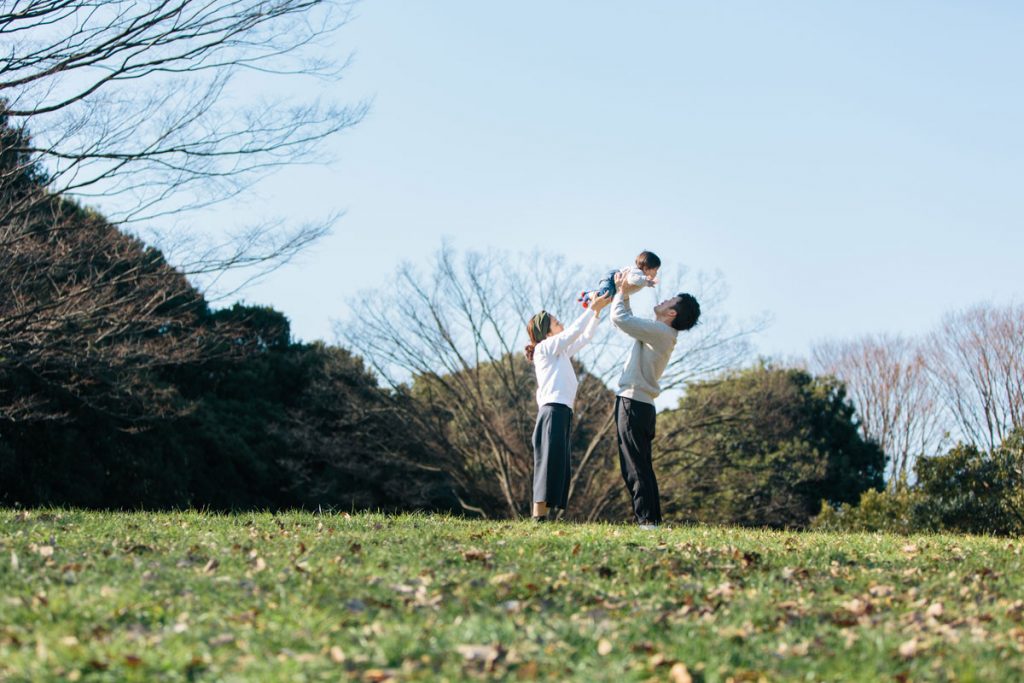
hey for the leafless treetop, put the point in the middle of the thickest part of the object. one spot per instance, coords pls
(156, 103)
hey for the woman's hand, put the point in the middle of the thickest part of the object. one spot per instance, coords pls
(600, 302)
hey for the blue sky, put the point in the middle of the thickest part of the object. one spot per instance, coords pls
(849, 167)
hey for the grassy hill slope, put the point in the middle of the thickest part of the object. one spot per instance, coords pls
(193, 596)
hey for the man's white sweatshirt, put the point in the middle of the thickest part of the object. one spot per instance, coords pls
(650, 353)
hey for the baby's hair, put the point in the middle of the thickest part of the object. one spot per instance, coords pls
(648, 259)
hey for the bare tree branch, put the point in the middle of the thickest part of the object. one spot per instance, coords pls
(157, 108)
(896, 399)
(449, 340)
(976, 359)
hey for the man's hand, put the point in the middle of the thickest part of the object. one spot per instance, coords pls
(600, 302)
(622, 284)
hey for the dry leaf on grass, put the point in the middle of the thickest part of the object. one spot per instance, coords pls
(911, 648)
(680, 674)
(480, 654)
(857, 607)
(503, 579)
(657, 660)
(475, 555)
(724, 590)
(798, 650)
(878, 591)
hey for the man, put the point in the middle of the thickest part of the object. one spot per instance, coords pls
(638, 387)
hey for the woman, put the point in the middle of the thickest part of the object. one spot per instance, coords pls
(550, 350)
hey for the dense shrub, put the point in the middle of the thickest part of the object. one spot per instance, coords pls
(976, 492)
(964, 490)
(291, 425)
(762, 447)
(889, 511)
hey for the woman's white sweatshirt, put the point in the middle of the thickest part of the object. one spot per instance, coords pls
(556, 379)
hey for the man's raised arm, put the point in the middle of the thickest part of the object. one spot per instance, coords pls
(649, 331)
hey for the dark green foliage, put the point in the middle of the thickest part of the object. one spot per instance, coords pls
(964, 490)
(16, 170)
(762, 447)
(972, 491)
(292, 425)
(258, 326)
(119, 388)
(892, 511)
(346, 441)
(91, 315)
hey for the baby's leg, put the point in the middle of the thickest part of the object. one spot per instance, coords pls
(586, 297)
(607, 286)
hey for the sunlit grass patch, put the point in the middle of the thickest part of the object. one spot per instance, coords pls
(193, 596)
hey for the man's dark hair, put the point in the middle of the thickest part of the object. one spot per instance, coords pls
(687, 312)
(648, 259)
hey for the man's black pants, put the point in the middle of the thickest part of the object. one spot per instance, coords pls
(634, 427)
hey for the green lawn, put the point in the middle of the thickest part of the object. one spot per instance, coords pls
(192, 596)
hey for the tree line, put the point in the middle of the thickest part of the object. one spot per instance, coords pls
(948, 410)
(122, 386)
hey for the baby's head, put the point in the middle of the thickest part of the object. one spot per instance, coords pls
(649, 263)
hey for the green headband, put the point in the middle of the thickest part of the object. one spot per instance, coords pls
(540, 326)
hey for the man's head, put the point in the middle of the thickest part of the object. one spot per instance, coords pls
(681, 312)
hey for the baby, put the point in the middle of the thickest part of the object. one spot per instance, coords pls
(643, 273)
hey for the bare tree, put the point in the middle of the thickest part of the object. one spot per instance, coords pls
(153, 107)
(898, 404)
(976, 358)
(451, 341)
(90, 318)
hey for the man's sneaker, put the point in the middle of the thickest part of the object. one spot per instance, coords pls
(648, 527)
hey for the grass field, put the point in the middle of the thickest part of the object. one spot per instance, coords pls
(192, 596)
